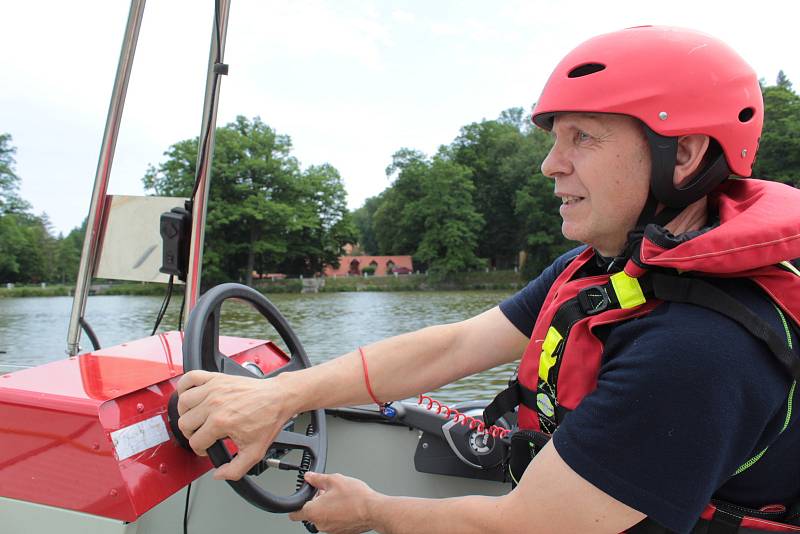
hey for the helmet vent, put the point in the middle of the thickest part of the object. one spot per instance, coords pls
(585, 70)
(746, 114)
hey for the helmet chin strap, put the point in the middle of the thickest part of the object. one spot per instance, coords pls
(663, 154)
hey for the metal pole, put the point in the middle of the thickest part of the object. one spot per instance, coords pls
(204, 166)
(94, 221)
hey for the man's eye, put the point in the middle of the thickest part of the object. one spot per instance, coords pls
(582, 136)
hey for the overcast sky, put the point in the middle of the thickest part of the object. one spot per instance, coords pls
(350, 81)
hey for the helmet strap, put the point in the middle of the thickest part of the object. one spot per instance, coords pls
(663, 152)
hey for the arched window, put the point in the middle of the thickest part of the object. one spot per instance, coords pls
(355, 267)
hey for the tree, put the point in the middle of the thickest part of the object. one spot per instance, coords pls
(536, 209)
(26, 245)
(398, 228)
(779, 148)
(451, 222)
(26, 248)
(10, 201)
(12, 246)
(68, 255)
(783, 81)
(261, 208)
(327, 224)
(363, 218)
(502, 154)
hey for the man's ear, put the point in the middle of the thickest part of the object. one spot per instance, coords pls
(691, 151)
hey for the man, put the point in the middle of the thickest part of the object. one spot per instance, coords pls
(656, 403)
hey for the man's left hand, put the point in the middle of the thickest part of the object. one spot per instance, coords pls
(343, 505)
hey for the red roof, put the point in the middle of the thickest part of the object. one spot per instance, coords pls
(353, 265)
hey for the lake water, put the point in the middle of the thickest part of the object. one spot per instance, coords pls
(34, 330)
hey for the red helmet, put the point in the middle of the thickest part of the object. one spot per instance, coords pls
(675, 81)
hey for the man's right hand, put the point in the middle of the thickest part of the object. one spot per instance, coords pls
(249, 411)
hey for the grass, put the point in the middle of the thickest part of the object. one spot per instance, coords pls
(493, 280)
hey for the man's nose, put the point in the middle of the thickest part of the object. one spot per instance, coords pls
(556, 164)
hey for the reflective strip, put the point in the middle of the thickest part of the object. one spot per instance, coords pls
(546, 359)
(790, 267)
(629, 292)
(749, 463)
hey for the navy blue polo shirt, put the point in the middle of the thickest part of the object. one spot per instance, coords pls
(685, 396)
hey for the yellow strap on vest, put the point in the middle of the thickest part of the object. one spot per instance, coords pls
(546, 359)
(628, 290)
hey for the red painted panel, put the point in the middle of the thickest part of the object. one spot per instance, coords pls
(56, 422)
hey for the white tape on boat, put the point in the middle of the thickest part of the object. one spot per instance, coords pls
(137, 438)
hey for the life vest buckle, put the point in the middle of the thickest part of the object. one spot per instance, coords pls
(593, 299)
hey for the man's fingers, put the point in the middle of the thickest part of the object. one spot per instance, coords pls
(206, 435)
(191, 398)
(192, 379)
(190, 421)
(301, 514)
(320, 481)
(239, 466)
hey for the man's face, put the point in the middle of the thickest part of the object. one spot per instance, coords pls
(601, 167)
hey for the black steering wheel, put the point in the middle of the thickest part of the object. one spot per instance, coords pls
(201, 351)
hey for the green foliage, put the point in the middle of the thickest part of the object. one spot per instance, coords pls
(503, 156)
(369, 270)
(264, 213)
(10, 201)
(782, 81)
(450, 220)
(328, 224)
(428, 213)
(536, 209)
(779, 148)
(464, 207)
(499, 207)
(28, 251)
(365, 226)
(397, 226)
(68, 255)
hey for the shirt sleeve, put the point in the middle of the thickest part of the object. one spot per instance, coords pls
(523, 307)
(684, 397)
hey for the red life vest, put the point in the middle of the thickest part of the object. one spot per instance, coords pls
(759, 228)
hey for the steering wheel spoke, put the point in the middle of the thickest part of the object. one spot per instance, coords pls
(292, 365)
(294, 440)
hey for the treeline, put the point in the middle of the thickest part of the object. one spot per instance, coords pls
(29, 252)
(478, 202)
(481, 201)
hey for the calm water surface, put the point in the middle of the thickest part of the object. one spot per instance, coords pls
(34, 330)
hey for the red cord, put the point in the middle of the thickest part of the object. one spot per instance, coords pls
(458, 417)
(366, 379)
(450, 413)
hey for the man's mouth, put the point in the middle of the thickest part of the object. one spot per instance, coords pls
(567, 200)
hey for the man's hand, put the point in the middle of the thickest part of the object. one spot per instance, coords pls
(250, 411)
(342, 505)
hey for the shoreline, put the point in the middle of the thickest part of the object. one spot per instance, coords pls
(491, 281)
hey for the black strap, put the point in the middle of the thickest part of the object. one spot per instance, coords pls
(504, 402)
(724, 522)
(589, 301)
(701, 293)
